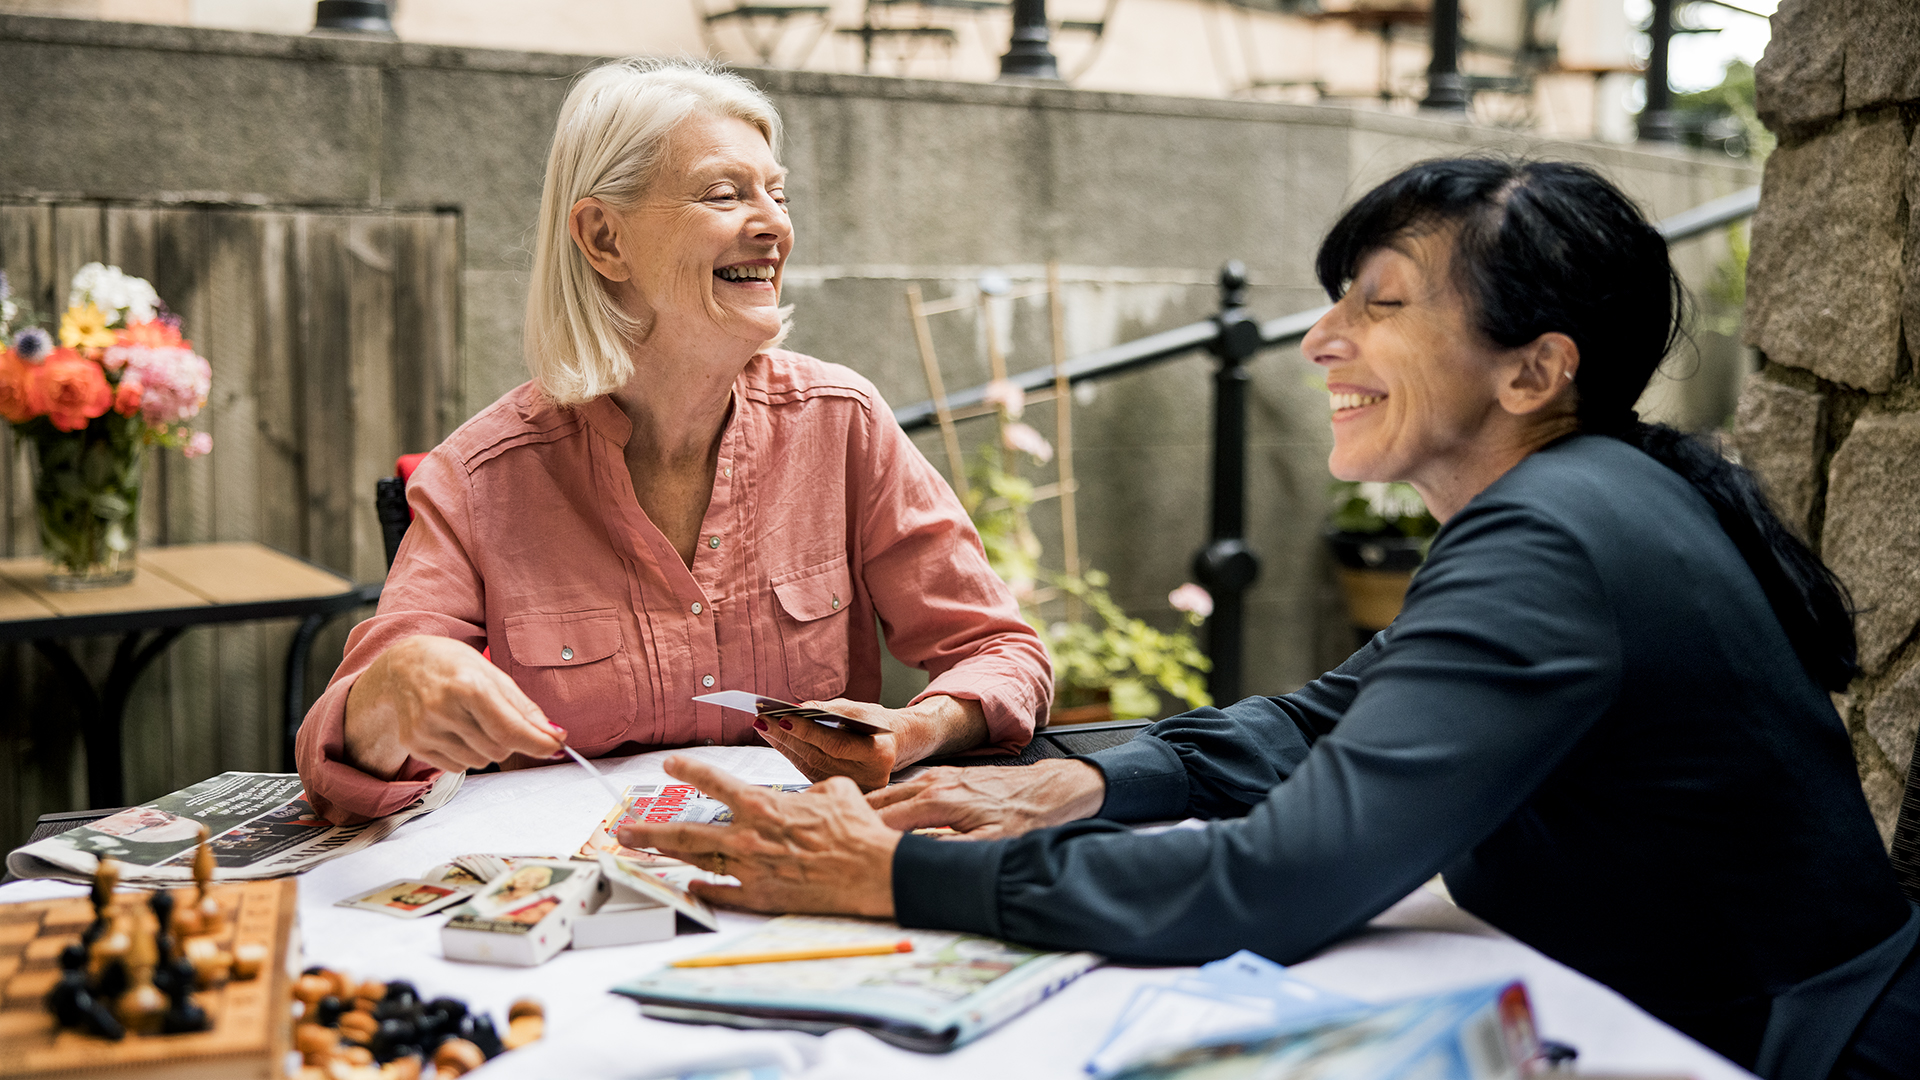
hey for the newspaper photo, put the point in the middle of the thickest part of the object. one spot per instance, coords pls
(261, 824)
(661, 802)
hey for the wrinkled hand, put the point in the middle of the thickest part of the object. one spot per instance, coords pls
(822, 851)
(986, 802)
(819, 751)
(438, 701)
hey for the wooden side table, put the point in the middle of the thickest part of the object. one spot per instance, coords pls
(178, 587)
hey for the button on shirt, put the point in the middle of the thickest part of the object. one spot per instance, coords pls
(824, 521)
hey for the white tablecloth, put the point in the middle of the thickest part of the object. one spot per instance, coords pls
(1421, 945)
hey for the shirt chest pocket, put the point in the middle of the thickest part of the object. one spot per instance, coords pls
(814, 628)
(575, 666)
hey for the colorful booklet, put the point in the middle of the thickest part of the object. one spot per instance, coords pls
(952, 988)
(661, 801)
(1484, 1033)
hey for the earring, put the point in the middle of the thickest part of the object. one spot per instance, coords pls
(1568, 374)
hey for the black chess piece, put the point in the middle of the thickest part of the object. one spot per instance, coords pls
(328, 1012)
(395, 1038)
(183, 1014)
(440, 1021)
(477, 1028)
(113, 981)
(73, 1002)
(162, 905)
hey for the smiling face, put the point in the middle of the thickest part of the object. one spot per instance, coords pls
(705, 247)
(1413, 384)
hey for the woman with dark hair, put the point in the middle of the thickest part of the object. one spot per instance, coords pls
(1602, 713)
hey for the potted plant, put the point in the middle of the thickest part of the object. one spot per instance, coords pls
(1108, 667)
(1378, 534)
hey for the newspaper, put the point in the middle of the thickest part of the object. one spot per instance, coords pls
(262, 826)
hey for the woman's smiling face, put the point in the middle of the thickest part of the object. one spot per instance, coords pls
(713, 232)
(1411, 381)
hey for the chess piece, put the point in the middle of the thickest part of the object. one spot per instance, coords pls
(248, 960)
(183, 1013)
(142, 1007)
(106, 876)
(478, 1029)
(211, 963)
(107, 960)
(402, 1068)
(358, 1025)
(72, 1000)
(457, 1057)
(317, 1045)
(526, 1022)
(211, 921)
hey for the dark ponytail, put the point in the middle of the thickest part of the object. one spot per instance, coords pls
(1547, 247)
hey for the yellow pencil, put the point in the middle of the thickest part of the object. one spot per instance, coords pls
(824, 952)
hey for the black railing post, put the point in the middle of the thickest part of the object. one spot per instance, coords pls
(1226, 566)
(1656, 118)
(1445, 88)
(1028, 55)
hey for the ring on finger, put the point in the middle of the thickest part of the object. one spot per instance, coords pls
(721, 858)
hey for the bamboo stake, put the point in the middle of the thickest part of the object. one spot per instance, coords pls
(923, 336)
(1063, 436)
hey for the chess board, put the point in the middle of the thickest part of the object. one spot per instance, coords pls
(252, 1020)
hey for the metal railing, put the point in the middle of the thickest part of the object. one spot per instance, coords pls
(1226, 565)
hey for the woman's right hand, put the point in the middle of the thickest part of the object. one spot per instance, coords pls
(983, 802)
(440, 702)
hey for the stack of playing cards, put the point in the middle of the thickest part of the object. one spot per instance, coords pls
(525, 916)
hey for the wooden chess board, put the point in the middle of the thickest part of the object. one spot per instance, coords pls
(252, 1020)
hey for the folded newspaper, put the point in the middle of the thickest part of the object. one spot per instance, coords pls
(261, 823)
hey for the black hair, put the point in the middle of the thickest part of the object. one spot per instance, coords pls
(1545, 246)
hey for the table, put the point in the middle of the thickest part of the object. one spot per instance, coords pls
(178, 587)
(1422, 945)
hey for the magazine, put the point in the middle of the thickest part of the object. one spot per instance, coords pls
(1484, 1033)
(262, 826)
(659, 802)
(952, 988)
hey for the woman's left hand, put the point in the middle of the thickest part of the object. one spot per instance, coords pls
(936, 725)
(822, 851)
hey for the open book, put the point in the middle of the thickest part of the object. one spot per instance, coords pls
(951, 989)
(262, 826)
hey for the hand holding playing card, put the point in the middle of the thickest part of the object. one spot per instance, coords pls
(819, 751)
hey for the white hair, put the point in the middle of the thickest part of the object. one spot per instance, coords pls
(609, 144)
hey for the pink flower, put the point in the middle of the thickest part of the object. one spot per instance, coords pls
(199, 446)
(174, 381)
(1022, 437)
(1003, 393)
(126, 397)
(1192, 599)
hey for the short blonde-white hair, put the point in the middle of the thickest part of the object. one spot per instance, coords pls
(610, 144)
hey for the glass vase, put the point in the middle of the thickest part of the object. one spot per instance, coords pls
(86, 494)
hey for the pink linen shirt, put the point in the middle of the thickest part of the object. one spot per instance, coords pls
(825, 520)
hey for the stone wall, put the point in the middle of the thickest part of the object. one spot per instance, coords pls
(1832, 421)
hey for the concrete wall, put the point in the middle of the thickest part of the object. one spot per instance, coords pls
(895, 182)
(1832, 422)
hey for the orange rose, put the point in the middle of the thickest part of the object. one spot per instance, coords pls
(126, 397)
(16, 388)
(71, 390)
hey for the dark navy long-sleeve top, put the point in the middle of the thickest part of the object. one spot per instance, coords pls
(1587, 716)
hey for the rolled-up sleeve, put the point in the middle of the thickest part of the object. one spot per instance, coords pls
(941, 606)
(433, 588)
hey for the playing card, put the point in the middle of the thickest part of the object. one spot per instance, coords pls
(409, 899)
(774, 708)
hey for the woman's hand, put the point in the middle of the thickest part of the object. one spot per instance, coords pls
(983, 802)
(940, 724)
(438, 701)
(822, 851)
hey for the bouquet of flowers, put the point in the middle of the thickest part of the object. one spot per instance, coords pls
(115, 378)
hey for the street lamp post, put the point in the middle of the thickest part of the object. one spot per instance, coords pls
(1445, 88)
(1028, 55)
(1656, 119)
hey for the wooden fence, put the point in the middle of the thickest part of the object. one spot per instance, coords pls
(334, 339)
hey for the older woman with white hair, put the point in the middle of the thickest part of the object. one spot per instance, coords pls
(672, 505)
